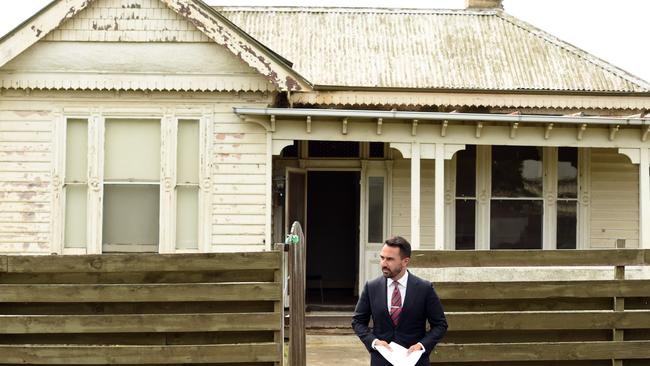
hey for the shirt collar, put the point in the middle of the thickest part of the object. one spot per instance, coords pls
(402, 281)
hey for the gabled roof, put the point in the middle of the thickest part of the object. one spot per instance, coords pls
(275, 68)
(427, 49)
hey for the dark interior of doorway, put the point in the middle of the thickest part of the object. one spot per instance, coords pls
(332, 239)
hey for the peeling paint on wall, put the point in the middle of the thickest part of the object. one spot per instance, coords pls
(223, 35)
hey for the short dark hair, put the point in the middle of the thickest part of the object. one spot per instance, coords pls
(401, 243)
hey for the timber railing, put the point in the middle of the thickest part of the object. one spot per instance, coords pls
(594, 322)
(221, 308)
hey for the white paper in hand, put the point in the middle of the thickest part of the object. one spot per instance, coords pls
(398, 356)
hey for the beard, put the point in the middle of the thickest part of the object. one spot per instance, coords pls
(390, 274)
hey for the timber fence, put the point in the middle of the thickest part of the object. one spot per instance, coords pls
(220, 308)
(597, 322)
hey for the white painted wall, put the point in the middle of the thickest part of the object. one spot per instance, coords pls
(135, 45)
(236, 162)
(25, 164)
(401, 201)
(614, 199)
(130, 45)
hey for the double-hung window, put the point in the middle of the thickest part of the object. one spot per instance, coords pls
(519, 196)
(131, 185)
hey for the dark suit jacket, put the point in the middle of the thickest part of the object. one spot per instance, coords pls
(421, 305)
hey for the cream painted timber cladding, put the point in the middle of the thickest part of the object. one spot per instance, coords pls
(240, 185)
(162, 21)
(127, 21)
(130, 66)
(614, 199)
(25, 180)
(233, 167)
(130, 45)
(401, 201)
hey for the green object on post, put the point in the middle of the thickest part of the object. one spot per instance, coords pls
(292, 239)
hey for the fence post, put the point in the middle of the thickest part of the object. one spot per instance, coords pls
(619, 302)
(297, 272)
(278, 277)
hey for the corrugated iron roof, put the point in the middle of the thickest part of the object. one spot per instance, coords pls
(427, 49)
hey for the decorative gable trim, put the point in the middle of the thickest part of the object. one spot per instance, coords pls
(242, 45)
(272, 66)
(38, 26)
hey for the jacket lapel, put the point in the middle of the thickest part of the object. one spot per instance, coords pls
(384, 297)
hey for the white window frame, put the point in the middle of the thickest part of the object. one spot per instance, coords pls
(167, 215)
(484, 196)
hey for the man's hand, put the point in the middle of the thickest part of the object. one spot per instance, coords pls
(383, 344)
(413, 348)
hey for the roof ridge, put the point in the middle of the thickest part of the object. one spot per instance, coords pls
(351, 9)
(587, 56)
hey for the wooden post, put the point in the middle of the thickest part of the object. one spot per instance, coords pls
(439, 205)
(278, 306)
(619, 302)
(415, 196)
(297, 271)
(644, 198)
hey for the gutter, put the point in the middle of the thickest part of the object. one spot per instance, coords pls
(441, 116)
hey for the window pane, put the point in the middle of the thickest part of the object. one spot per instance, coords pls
(75, 216)
(466, 172)
(516, 171)
(132, 150)
(131, 214)
(76, 154)
(187, 217)
(516, 224)
(333, 149)
(566, 224)
(188, 152)
(567, 172)
(465, 221)
(376, 150)
(375, 209)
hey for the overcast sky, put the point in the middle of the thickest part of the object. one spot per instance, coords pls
(611, 30)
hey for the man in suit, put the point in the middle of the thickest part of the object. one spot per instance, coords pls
(399, 304)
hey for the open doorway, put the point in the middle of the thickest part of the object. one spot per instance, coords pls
(333, 238)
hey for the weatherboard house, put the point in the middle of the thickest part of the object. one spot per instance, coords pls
(171, 126)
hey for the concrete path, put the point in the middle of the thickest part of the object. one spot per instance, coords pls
(328, 350)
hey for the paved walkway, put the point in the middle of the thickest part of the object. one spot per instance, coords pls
(328, 350)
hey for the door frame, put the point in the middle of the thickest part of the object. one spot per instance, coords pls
(372, 168)
(326, 165)
(365, 167)
(287, 224)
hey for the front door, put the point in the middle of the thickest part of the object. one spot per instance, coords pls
(332, 237)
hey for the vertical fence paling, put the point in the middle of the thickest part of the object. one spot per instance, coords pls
(297, 275)
(619, 303)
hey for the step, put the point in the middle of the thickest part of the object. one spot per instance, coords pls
(326, 323)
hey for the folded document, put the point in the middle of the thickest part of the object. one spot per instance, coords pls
(398, 356)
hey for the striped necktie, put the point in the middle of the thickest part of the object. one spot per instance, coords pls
(395, 304)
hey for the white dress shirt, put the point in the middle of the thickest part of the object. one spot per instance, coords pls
(389, 296)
